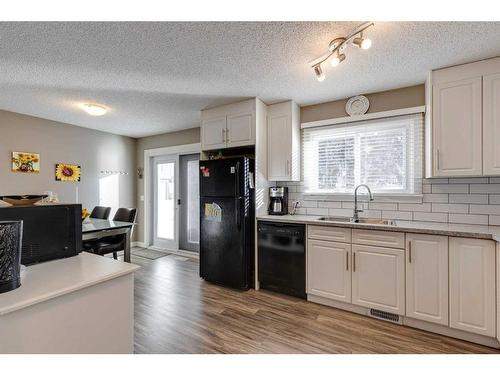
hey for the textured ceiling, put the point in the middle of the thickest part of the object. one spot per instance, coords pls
(156, 77)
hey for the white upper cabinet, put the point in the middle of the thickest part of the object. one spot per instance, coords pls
(472, 285)
(328, 270)
(231, 125)
(463, 120)
(491, 124)
(427, 277)
(283, 142)
(378, 278)
(213, 133)
(458, 127)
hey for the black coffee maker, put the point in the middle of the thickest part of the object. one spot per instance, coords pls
(278, 200)
(10, 255)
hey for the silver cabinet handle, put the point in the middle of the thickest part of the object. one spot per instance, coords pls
(223, 137)
(437, 159)
(354, 262)
(409, 251)
(288, 167)
(227, 136)
(347, 260)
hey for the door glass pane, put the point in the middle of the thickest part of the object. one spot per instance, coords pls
(165, 200)
(193, 209)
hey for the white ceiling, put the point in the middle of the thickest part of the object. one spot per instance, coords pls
(156, 77)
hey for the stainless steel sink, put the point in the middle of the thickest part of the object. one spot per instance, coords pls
(361, 220)
(336, 219)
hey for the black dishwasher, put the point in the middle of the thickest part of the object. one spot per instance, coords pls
(282, 258)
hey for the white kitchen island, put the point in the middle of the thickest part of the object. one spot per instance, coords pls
(82, 304)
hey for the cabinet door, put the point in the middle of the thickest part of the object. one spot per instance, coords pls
(472, 285)
(498, 291)
(279, 145)
(213, 133)
(240, 130)
(328, 270)
(378, 278)
(427, 277)
(457, 128)
(491, 124)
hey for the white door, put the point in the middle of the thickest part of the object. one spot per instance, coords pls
(472, 285)
(457, 128)
(240, 130)
(279, 145)
(328, 270)
(427, 277)
(165, 202)
(491, 124)
(378, 278)
(213, 133)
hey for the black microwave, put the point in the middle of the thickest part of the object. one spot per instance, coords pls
(49, 231)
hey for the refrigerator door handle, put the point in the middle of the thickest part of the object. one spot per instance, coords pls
(238, 212)
(238, 193)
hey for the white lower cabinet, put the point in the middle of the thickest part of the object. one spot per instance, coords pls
(498, 291)
(378, 278)
(472, 285)
(427, 277)
(328, 270)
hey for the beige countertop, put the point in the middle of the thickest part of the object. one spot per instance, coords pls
(48, 280)
(455, 230)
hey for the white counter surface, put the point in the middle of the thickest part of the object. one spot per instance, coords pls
(455, 230)
(48, 280)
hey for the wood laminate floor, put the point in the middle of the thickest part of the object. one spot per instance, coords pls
(177, 312)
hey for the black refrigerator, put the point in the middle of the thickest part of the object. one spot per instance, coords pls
(227, 222)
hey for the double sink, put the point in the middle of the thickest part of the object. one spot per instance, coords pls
(337, 219)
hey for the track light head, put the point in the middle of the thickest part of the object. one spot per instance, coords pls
(336, 60)
(320, 76)
(363, 43)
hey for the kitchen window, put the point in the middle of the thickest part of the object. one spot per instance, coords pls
(385, 154)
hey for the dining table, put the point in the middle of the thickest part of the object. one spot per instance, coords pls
(98, 228)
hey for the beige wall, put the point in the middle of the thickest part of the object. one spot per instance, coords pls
(405, 97)
(57, 142)
(157, 141)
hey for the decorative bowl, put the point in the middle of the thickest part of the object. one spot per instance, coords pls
(22, 200)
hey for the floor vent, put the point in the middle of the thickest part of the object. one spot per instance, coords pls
(379, 314)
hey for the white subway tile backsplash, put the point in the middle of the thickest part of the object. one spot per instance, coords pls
(468, 198)
(416, 207)
(494, 220)
(487, 209)
(485, 188)
(383, 206)
(428, 216)
(469, 180)
(454, 208)
(438, 198)
(450, 188)
(330, 204)
(494, 199)
(397, 215)
(468, 219)
(454, 200)
(317, 211)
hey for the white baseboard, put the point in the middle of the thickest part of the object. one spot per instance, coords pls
(137, 244)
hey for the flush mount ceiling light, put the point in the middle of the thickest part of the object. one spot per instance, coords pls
(337, 47)
(94, 109)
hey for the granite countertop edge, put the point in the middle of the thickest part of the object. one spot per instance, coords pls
(454, 230)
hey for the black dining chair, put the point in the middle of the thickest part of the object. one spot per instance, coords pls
(114, 244)
(100, 212)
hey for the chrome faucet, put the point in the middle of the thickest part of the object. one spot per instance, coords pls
(355, 216)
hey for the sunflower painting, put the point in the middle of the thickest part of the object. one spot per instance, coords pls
(68, 172)
(25, 162)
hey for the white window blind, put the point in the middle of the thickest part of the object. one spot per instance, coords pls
(385, 154)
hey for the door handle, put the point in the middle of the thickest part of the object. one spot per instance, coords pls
(178, 202)
(409, 251)
(238, 213)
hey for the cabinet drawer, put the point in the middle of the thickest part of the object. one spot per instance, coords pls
(324, 233)
(395, 240)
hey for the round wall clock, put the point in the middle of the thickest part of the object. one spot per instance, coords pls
(357, 105)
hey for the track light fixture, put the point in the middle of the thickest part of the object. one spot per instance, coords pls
(338, 45)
